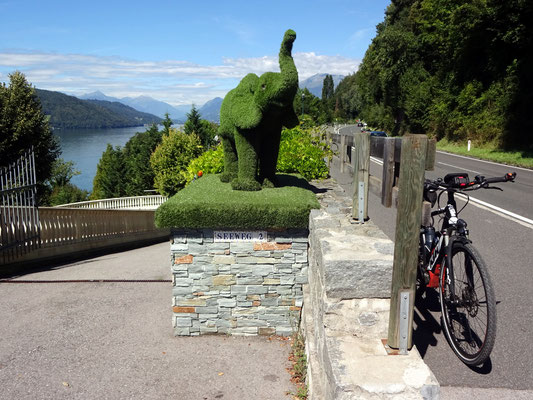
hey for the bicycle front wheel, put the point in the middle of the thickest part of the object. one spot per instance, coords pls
(468, 305)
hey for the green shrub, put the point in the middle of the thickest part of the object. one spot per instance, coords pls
(210, 162)
(210, 203)
(303, 153)
(170, 159)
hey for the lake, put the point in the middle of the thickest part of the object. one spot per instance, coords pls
(85, 147)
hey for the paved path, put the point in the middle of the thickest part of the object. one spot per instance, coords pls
(114, 340)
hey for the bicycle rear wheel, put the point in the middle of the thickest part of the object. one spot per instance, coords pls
(468, 305)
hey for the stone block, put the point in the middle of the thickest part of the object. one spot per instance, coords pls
(226, 302)
(250, 280)
(246, 247)
(224, 280)
(223, 259)
(181, 247)
(182, 331)
(251, 330)
(185, 259)
(183, 322)
(256, 289)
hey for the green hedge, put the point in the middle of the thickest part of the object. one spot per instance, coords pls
(209, 203)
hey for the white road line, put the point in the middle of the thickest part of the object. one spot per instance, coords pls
(484, 161)
(377, 160)
(487, 206)
(499, 211)
(459, 168)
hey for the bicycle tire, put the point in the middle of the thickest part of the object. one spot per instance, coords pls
(468, 314)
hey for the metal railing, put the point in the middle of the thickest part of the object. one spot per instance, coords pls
(150, 202)
(19, 217)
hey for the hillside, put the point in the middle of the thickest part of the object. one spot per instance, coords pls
(211, 110)
(70, 112)
(314, 83)
(144, 104)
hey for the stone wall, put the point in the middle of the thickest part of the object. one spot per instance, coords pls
(346, 311)
(238, 287)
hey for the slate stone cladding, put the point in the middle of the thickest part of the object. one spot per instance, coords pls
(238, 288)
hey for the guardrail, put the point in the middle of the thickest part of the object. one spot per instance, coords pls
(71, 231)
(138, 202)
(405, 161)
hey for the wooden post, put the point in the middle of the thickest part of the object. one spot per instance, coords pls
(409, 213)
(430, 154)
(361, 163)
(387, 179)
(342, 151)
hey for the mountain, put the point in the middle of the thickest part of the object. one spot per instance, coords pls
(145, 104)
(314, 83)
(211, 110)
(71, 112)
(98, 96)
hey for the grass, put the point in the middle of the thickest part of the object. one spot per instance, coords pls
(209, 203)
(298, 370)
(516, 158)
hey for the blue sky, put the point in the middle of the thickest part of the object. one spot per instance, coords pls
(181, 52)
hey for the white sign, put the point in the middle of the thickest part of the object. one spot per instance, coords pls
(240, 236)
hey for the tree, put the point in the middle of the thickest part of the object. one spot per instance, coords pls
(200, 127)
(312, 106)
(328, 102)
(62, 191)
(22, 125)
(139, 176)
(109, 179)
(193, 124)
(170, 159)
(167, 123)
(327, 88)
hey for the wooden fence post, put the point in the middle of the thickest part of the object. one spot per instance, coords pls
(342, 151)
(387, 180)
(409, 213)
(361, 163)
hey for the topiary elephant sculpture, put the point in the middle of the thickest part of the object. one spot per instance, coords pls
(251, 118)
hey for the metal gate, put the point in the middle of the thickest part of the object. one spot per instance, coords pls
(19, 216)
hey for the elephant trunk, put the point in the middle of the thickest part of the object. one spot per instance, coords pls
(289, 74)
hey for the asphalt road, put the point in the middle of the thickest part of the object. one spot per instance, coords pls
(65, 339)
(504, 242)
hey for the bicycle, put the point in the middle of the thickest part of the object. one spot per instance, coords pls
(449, 263)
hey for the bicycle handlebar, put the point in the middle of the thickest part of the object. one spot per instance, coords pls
(510, 176)
(462, 182)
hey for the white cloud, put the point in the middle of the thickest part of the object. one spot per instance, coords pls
(173, 81)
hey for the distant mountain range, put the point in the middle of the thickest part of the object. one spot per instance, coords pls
(94, 110)
(314, 83)
(71, 112)
(145, 104)
(209, 111)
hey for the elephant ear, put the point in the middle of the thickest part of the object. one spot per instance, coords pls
(245, 113)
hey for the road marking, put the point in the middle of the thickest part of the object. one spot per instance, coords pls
(459, 168)
(484, 161)
(499, 211)
(487, 206)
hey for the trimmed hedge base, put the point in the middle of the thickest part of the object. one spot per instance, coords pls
(209, 203)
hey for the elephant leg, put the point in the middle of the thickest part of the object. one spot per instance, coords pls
(230, 161)
(269, 159)
(247, 161)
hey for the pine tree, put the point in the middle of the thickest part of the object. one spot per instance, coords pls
(22, 125)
